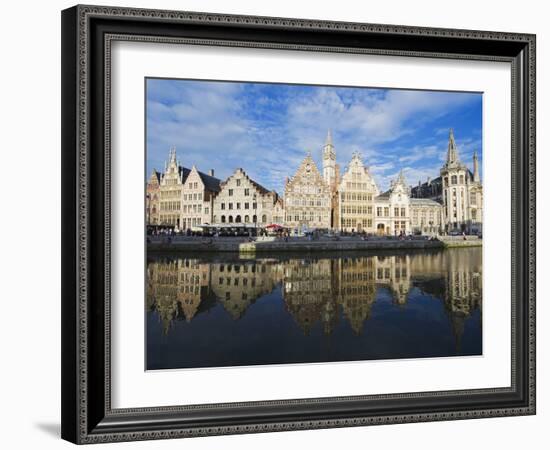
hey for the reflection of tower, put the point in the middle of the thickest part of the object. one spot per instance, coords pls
(463, 288)
(394, 272)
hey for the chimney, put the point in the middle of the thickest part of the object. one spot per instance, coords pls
(211, 172)
(428, 181)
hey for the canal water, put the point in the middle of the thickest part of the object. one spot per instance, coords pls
(232, 310)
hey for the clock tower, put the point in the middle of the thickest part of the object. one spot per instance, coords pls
(329, 161)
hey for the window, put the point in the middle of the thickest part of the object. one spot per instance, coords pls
(223, 219)
(246, 205)
(453, 179)
(246, 219)
(396, 211)
(238, 219)
(264, 218)
(386, 211)
(473, 198)
(379, 211)
(238, 205)
(230, 205)
(461, 179)
(247, 191)
(230, 192)
(222, 206)
(402, 212)
(238, 181)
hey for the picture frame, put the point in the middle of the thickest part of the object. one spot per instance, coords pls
(87, 35)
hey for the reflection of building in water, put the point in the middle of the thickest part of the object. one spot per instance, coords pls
(237, 285)
(463, 290)
(308, 293)
(395, 273)
(460, 286)
(176, 288)
(356, 289)
(318, 290)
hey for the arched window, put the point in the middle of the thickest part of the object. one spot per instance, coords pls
(461, 179)
(238, 219)
(453, 179)
(264, 218)
(254, 218)
(246, 219)
(230, 219)
(223, 219)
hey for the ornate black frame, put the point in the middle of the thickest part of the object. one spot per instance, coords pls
(87, 31)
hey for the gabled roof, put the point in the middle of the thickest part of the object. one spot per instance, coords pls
(184, 173)
(424, 201)
(425, 188)
(211, 183)
(258, 186)
(155, 174)
(308, 160)
(383, 195)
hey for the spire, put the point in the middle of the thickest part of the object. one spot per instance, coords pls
(173, 155)
(329, 138)
(452, 151)
(401, 178)
(476, 168)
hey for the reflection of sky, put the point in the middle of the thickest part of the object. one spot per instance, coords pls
(268, 334)
(268, 128)
(269, 322)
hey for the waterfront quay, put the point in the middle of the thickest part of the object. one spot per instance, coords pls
(302, 243)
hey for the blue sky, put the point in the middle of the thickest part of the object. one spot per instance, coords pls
(267, 129)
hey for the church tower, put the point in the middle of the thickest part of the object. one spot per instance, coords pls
(329, 161)
(456, 180)
(476, 168)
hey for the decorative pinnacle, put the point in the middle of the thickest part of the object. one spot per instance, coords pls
(452, 152)
(329, 138)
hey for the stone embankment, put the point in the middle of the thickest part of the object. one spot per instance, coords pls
(243, 245)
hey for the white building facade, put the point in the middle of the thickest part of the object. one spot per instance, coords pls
(243, 201)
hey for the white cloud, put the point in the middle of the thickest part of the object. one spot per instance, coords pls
(213, 125)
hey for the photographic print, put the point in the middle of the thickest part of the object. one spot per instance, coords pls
(291, 224)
